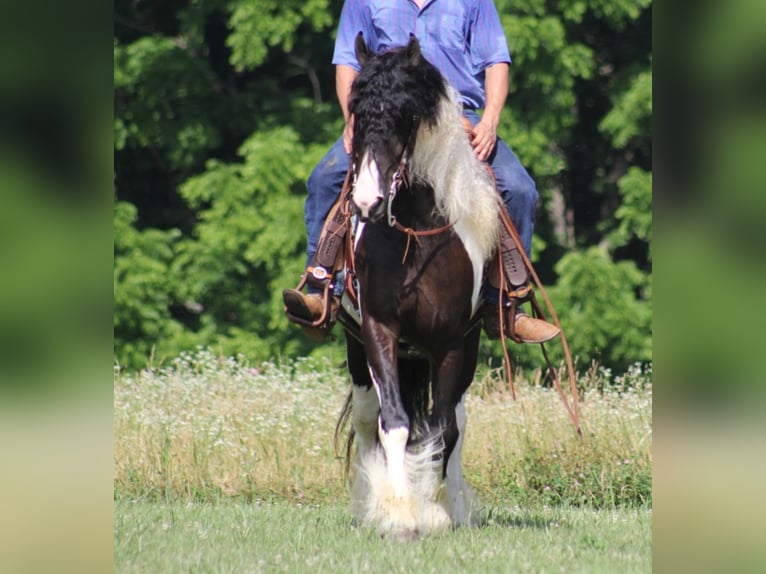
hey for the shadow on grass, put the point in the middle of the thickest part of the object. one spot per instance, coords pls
(510, 518)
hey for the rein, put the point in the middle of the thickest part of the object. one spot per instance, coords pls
(397, 179)
(418, 234)
(400, 177)
(573, 410)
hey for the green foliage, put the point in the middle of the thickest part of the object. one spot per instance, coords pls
(606, 314)
(143, 287)
(546, 64)
(248, 242)
(259, 25)
(165, 101)
(631, 113)
(635, 212)
(223, 107)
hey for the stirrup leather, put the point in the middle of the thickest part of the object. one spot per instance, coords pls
(329, 255)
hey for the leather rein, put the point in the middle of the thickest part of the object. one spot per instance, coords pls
(400, 177)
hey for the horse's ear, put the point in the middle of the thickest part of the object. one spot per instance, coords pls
(413, 50)
(363, 52)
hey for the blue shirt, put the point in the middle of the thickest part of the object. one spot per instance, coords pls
(460, 37)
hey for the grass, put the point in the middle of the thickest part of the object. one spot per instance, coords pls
(220, 466)
(288, 537)
(207, 428)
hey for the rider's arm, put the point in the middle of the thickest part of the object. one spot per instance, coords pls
(344, 77)
(496, 90)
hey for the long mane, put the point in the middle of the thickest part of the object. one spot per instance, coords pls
(463, 187)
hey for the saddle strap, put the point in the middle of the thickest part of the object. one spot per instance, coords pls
(515, 270)
(329, 254)
(329, 251)
(328, 260)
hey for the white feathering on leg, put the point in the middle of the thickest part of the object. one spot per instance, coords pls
(371, 489)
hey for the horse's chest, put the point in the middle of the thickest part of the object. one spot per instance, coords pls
(424, 285)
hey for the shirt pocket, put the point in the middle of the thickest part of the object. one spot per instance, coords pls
(451, 30)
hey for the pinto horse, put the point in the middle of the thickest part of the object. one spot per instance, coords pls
(427, 223)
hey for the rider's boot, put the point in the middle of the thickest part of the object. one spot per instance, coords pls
(313, 312)
(517, 324)
(308, 309)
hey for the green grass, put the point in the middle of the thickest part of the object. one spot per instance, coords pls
(220, 466)
(285, 537)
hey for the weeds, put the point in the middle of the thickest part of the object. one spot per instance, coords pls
(207, 427)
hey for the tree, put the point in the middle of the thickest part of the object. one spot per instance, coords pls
(222, 108)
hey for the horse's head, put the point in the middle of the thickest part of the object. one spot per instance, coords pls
(393, 95)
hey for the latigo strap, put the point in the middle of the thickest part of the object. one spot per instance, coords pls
(515, 270)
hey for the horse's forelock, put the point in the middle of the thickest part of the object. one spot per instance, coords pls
(390, 98)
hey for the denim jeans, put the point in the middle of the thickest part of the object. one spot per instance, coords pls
(515, 185)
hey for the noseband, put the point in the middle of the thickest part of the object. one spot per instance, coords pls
(398, 178)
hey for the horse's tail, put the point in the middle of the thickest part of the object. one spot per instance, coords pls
(340, 428)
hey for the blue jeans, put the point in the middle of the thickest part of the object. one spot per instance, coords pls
(515, 185)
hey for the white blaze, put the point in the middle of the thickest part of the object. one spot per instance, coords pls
(367, 188)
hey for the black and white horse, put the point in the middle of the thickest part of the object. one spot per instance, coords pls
(427, 225)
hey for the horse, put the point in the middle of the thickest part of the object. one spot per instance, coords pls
(427, 222)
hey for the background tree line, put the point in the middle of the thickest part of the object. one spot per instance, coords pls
(223, 107)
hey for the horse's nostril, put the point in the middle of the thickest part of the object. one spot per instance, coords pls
(377, 210)
(369, 211)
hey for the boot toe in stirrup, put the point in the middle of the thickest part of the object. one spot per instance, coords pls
(532, 330)
(308, 307)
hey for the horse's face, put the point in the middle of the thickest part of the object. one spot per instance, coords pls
(394, 92)
(378, 173)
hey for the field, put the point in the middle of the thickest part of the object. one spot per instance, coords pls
(221, 466)
(283, 537)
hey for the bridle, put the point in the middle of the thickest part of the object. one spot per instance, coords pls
(400, 177)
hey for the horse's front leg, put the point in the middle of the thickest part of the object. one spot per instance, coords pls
(364, 399)
(395, 503)
(453, 377)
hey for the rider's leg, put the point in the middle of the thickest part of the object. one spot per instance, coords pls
(324, 186)
(519, 194)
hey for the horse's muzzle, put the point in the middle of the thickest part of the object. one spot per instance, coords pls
(370, 212)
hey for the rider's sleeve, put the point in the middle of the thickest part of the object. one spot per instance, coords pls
(354, 18)
(487, 38)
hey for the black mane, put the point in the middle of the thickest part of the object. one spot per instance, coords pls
(394, 92)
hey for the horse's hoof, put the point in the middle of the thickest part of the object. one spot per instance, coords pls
(401, 535)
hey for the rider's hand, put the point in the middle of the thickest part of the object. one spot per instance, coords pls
(484, 138)
(348, 134)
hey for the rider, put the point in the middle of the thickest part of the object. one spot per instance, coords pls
(466, 42)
